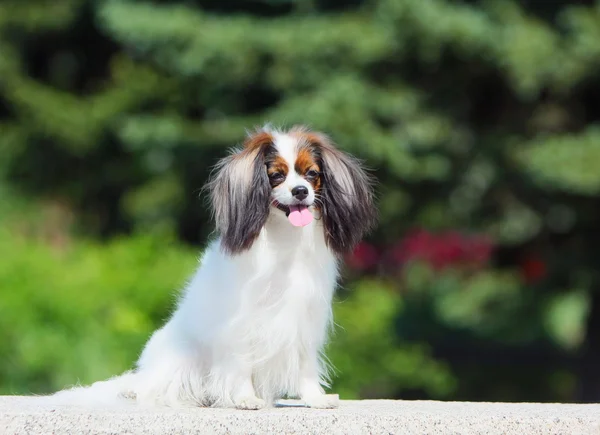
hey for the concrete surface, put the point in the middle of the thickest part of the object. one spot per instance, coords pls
(25, 415)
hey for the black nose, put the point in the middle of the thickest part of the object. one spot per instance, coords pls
(300, 192)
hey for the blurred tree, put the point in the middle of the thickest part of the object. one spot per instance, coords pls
(476, 115)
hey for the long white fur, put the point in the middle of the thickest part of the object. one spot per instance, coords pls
(248, 329)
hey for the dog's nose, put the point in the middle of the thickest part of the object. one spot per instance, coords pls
(300, 192)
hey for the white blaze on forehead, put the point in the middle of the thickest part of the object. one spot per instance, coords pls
(286, 146)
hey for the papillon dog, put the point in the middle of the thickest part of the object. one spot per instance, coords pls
(252, 323)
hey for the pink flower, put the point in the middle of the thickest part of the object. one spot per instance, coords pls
(533, 269)
(442, 250)
(365, 256)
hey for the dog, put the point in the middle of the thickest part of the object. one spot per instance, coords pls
(252, 323)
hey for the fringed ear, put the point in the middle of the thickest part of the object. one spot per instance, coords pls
(348, 209)
(240, 194)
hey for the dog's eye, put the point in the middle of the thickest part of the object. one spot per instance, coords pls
(312, 174)
(276, 177)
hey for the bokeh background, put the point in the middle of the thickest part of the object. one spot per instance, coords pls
(479, 119)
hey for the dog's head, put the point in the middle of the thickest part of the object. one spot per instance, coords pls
(298, 174)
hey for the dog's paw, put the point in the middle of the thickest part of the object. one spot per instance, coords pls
(323, 401)
(250, 402)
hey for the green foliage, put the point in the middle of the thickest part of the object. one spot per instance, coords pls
(82, 313)
(567, 162)
(564, 317)
(346, 73)
(369, 360)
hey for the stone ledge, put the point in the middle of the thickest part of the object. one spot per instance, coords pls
(27, 415)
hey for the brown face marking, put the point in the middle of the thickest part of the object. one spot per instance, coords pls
(262, 142)
(254, 144)
(307, 166)
(258, 140)
(277, 168)
(306, 137)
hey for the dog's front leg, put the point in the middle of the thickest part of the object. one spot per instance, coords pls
(244, 396)
(311, 391)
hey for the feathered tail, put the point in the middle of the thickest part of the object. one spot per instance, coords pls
(114, 391)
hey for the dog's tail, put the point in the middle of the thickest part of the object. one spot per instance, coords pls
(114, 391)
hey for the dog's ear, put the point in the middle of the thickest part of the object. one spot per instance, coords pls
(348, 209)
(240, 194)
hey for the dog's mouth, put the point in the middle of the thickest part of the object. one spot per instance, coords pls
(284, 208)
(298, 214)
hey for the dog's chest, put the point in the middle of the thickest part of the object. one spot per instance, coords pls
(292, 277)
(288, 290)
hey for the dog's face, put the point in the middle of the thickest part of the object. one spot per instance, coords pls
(297, 174)
(294, 169)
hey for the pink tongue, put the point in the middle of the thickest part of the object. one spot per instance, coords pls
(299, 215)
